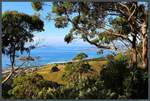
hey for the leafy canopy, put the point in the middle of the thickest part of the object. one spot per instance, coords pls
(17, 30)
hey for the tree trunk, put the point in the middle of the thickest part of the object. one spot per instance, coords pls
(144, 46)
(8, 79)
(134, 57)
(134, 52)
(12, 59)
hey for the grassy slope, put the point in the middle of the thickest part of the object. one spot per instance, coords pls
(56, 76)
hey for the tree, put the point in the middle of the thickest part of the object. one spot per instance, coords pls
(103, 23)
(136, 15)
(144, 34)
(91, 23)
(80, 56)
(17, 30)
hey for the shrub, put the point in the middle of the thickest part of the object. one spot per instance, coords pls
(29, 86)
(120, 57)
(121, 82)
(83, 88)
(85, 67)
(5, 89)
(89, 88)
(80, 56)
(114, 73)
(54, 68)
(72, 71)
(136, 84)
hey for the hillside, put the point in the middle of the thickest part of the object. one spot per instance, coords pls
(96, 65)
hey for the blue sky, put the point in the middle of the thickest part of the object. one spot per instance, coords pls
(51, 35)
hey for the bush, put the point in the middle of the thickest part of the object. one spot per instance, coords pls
(89, 88)
(121, 82)
(136, 84)
(80, 56)
(54, 68)
(85, 67)
(114, 74)
(83, 88)
(29, 86)
(72, 71)
(5, 89)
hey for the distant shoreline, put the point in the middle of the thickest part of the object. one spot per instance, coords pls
(48, 55)
(51, 63)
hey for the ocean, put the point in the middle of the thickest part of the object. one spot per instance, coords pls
(56, 54)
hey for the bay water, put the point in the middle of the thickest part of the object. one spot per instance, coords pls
(56, 54)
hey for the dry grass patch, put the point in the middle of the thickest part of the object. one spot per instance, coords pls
(52, 76)
(96, 65)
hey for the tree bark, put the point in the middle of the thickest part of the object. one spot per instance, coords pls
(144, 45)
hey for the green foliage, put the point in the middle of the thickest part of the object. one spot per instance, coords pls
(121, 82)
(94, 23)
(80, 56)
(85, 67)
(88, 88)
(115, 82)
(61, 7)
(30, 86)
(88, 20)
(37, 5)
(61, 22)
(17, 30)
(5, 89)
(74, 70)
(120, 57)
(121, 25)
(83, 88)
(136, 84)
(68, 38)
(114, 74)
(105, 37)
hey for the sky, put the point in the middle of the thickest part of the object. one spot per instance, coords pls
(51, 35)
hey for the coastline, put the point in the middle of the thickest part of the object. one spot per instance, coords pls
(7, 70)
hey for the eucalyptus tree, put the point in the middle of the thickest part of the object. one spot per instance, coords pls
(136, 14)
(17, 30)
(103, 23)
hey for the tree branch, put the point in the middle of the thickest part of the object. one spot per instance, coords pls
(125, 6)
(11, 74)
(132, 13)
(117, 35)
(97, 45)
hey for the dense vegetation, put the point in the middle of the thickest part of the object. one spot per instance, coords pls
(115, 80)
(30, 86)
(123, 75)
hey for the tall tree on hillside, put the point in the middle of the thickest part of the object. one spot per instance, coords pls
(17, 30)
